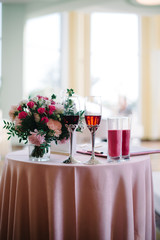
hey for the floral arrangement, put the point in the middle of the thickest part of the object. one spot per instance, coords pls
(38, 120)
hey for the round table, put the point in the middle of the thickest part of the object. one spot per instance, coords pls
(54, 201)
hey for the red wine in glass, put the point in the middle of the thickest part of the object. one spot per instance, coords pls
(92, 120)
(93, 111)
(71, 119)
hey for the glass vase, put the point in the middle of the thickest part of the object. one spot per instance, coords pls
(39, 153)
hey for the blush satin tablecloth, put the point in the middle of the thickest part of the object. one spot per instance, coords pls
(54, 201)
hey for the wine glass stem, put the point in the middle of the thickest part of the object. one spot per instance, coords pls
(93, 142)
(71, 143)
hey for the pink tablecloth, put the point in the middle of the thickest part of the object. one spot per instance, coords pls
(76, 202)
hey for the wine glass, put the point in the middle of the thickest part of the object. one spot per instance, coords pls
(71, 118)
(93, 112)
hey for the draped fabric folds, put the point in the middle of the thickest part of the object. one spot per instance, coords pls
(53, 201)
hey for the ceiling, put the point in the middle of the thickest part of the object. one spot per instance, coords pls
(129, 6)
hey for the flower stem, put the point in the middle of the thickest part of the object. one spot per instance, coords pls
(37, 152)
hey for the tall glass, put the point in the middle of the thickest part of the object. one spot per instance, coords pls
(126, 136)
(71, 118)
(114, 139)
(93, 112)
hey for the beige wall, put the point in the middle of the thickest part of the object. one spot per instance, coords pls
(12, 56)
(150, 76)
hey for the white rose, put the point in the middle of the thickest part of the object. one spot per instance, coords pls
(59, 107)
(41, 101)
(35, 99)
(23, 102)
(48, 102)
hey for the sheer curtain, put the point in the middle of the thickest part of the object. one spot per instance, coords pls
(79, 52)
(150, 76)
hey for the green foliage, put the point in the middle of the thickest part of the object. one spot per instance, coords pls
(69, 109)
(70, 92)
(28, 118)
(12, 132)
(39, 151)
(69, 106)
(80, 127)
(53, 96)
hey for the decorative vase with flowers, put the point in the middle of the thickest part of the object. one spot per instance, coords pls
(39, 121)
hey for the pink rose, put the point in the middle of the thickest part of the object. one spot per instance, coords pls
(50, 112)
(52, 102)
(41, 110)
(19, 108)
(64, 140)
(45, 98)
(36, 139)
(55, 126)
(52, 108)
(57, 132)
(22, 115)
(44, 119)
(17, 121)
(39, 97)
(30, 104)
(12, 112)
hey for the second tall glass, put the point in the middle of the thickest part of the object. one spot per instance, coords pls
(126, 136)
(114, 139)
(93, 112)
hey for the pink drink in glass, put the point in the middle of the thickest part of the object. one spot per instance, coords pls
(114, 143)
(126, 143)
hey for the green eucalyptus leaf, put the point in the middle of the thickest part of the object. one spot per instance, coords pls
(53, 96)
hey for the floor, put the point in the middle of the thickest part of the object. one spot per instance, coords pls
(155, 158)
(155, 164)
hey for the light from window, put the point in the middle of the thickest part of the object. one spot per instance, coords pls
(114, 57)
(42, 53)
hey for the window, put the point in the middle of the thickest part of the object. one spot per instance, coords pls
(114, 58)
(42, 53)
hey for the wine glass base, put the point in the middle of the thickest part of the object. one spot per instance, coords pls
(71, 160)
(126, 157)
(93, 161)
(114, 160)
